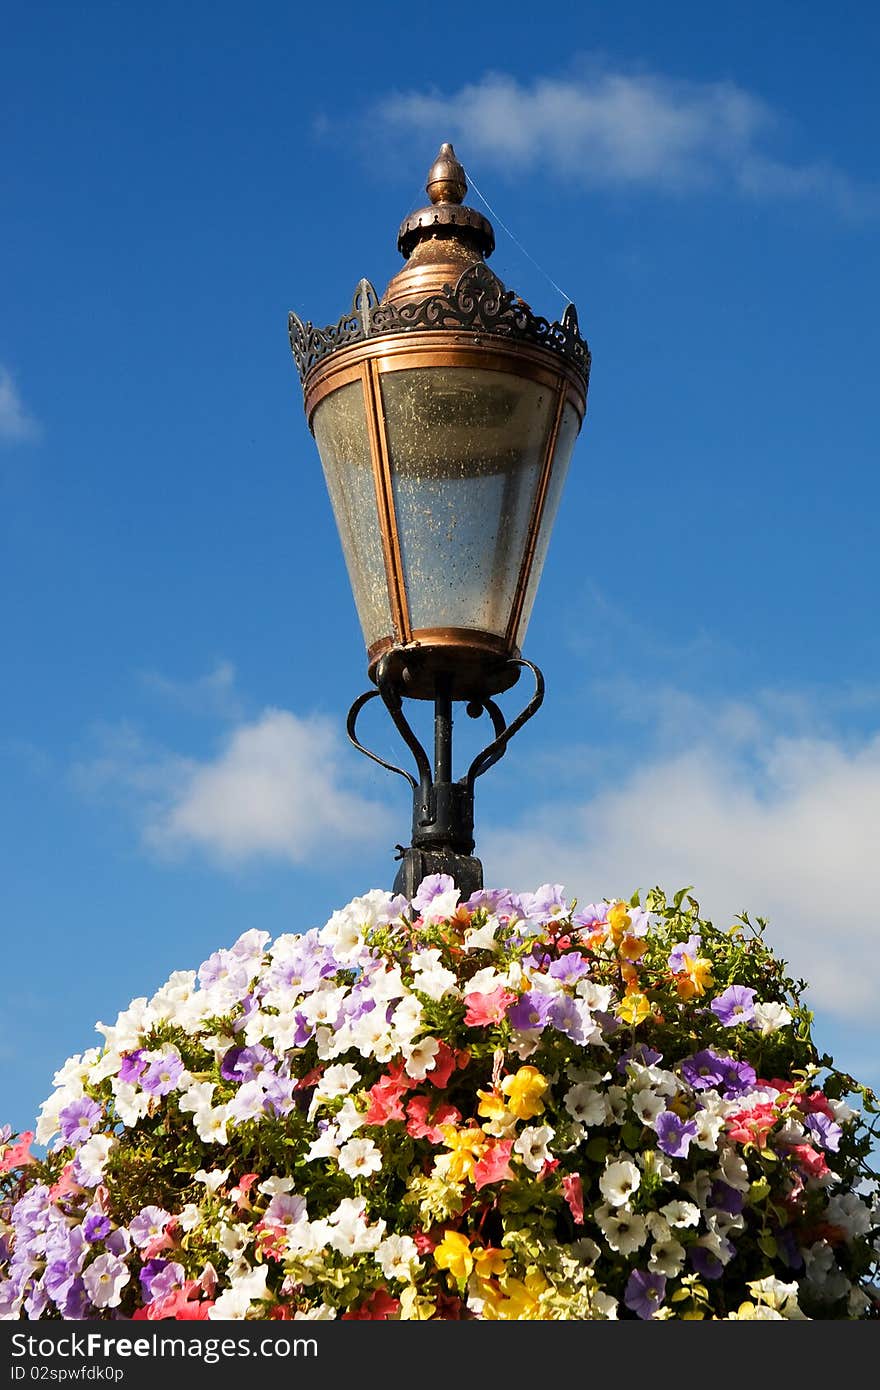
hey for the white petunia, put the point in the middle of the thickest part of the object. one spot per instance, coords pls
(532, 1144)
(130, 1103)
(647, 1105)
(666, 1257)
(586, 1105)
(769, 1018)
(210, 1123)
(359, 1158)
(92, 1156)
(213, 1178)
(339, 1080)
(196, 1097)
(421, 1057)
(619, 1181)
(624, 1231)
(398, 1257)
(680, 1213)
(482, 938)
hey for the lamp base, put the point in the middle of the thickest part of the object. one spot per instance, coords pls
(416, 864)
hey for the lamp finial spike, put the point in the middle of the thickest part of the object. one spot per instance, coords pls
(446, 178)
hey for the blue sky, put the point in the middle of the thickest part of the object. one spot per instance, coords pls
(179, 637)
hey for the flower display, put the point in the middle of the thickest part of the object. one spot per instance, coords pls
(513, 1107)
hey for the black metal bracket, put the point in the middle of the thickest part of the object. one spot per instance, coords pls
(443, 809)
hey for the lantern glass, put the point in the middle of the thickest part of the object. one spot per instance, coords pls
(569, 427)
(466, 447)
(343, 441)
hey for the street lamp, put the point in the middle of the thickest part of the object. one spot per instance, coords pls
(445, 414)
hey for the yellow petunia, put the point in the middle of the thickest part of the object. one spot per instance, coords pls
(465, 1145)
(524, 1091)
(634, 1008)
(619, 921)
(695, 975)
(489, 1261)
(454, 1253)
(517, 1300)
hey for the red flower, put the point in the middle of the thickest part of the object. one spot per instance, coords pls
(378, 1308)
(444, 1065)
(425, 1242)
(418, 1124)
(817, 1103)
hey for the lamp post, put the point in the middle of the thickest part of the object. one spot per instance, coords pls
(445, 414)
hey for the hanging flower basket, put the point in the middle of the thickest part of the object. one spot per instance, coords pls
(514, 1108)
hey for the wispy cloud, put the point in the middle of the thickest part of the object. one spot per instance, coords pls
(625, 130)
(16, 424)
(213, 694)
(274, 790)
(754, 818)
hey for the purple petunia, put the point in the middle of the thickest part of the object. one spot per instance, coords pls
(639, 1053)
(566, 1016)
(644, 1293)
(828, 1132)
(159, 1277)
(78, 1119)
(148, 1225)
(704, 1069)
(726, 1198)
(690, 948)
(95, 1227)
(133, 1064)
(546, 902)
(430, 888)
(531, 1010)
(497, 900)
(735, 1005)
(247, 1063)
(569, 967)
(674, 1134)
(162, 1075)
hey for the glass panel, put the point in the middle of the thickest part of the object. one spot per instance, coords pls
(340, 426)
(569, 426)
(466, 448)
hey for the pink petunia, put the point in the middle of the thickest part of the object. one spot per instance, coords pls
(810, 1160)
(573, 1190)
(483, 1009)
(18, 1155)
(494, 1165)
(179, 1304)
(385, 1103)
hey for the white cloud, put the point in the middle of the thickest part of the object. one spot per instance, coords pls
(754, 819)
(275, 790)
(622, 129)
(16, 425)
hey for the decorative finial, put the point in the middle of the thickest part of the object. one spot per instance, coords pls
(446, 180)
